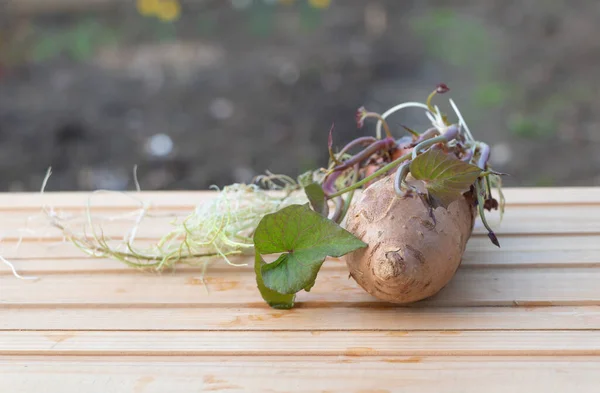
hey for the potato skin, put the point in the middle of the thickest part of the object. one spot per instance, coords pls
(408, 257)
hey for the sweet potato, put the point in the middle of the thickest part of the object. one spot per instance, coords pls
(413, 251)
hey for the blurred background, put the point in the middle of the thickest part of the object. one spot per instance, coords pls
(200, 93)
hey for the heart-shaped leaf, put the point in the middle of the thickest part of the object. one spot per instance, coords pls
(305, 238)
(273, 299)
(445, 177)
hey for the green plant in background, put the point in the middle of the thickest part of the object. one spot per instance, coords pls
(545, 181)
(206, 24)
(262, 14)
(164, 10)
(544, 115)
(540, 120)
(310, 13)
(78, 42)
(529, 126)
(456, 39)
(261, 19)
(465, 42)
(81, 40)
(491, 94)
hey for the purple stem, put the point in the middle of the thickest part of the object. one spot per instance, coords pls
(451, 133)
(339, 204)
(401, 174)
(404, 142)
(430, 133)
(469, 155)
(329, 183)
(485, 156)
(363, 140)
(366, 153)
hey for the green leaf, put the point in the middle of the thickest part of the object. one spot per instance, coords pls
(273, 299)
(305, 238)
(310, 17)
(262, 20)
(445, 177)
(46, 48)
(316, 197)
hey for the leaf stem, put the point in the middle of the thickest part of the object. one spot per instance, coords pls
(374, 175)
(363, 140)
(427, 143)
(339, 207)
(396, 109)
(351, 194)
(401, 174)
(377, 116)
(484, 155)
(366, 153)
(411, 131)
(332, 156)
(428, 102)
(480, 204)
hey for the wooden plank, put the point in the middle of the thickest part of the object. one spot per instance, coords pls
(540, 219)
(101, 316)
(111, 200)
(552, 195)
(570, 220)
(469, 287)
(17, 226)
(313, 319)
(303, 343)
(515, 250)
(472, 259)
(56, 251)
(301, 375)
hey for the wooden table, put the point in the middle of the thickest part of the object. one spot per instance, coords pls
(523, 318)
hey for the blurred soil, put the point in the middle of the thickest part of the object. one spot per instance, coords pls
(224, 94)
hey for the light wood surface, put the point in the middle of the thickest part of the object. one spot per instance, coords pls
(522, 318)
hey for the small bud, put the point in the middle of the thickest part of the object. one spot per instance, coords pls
(490, 204)
(330, 139)
(411, 131)
(330, 145)
(442, 88)
(360, 117)
(494, 239)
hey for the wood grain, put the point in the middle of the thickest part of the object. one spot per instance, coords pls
(519, 220)
(300, 319)
(276, 374)
(303, 343)
(237, 287)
